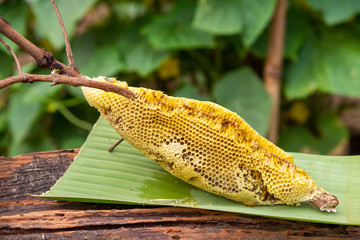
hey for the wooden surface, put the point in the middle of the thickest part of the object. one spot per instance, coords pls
(25, 217)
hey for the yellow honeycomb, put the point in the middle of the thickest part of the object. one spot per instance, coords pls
(205, 145)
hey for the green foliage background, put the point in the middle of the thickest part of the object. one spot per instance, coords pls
(206, 49)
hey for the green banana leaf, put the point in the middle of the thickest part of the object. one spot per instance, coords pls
(126, 176)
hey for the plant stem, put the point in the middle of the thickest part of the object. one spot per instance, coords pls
(69, 53)
(72, 118)
(273, 66)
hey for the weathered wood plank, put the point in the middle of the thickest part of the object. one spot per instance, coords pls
(32, 173)
(161, 222)
(25, 217)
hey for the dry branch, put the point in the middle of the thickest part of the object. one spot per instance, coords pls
(43, 58)
(63, 79)
(64, 74)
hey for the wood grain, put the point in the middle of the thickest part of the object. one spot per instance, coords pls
(25, 217)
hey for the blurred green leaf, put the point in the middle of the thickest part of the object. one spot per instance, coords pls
(142, 37)
(73, 142)
(105, 61)
(297, 29)
(129, 10)
(4, 133)
(242, 92)
(39, 143)
(218, 17)
(76, 92)
(297, 139)
(24, 108)
(4, 126)
(330, 65)
(71, 117)
(83, 48)
(174, 31)
(335, 12)
(15, 12)
(6, 66)
(22, 115)
(3, 119)
(331, 134)
(137, 54)
(188, 90)
(29, 67)
(234, 16)
(66, 134)
(96, 57)
(47, 91)
(48, 26)
(141, 58)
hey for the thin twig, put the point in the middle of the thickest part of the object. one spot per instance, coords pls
(273, 66)
(63, 79)
(13, 54)
(66, 38)
(115, 145)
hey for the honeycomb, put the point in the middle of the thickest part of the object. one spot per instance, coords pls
(205, 145)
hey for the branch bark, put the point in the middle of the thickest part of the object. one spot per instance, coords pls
(43, 58)
(273, 66)
(63, 79)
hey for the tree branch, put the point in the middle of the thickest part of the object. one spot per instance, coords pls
(273, 66)
(63, 79)
(43, 58)
(64, 74)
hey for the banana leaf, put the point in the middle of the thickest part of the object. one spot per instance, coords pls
(126, 176)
